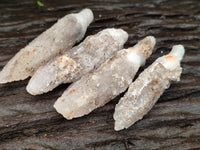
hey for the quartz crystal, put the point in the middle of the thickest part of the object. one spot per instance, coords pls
(147, 88)
(54, 41)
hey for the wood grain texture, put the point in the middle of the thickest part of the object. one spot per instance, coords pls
(30, 122)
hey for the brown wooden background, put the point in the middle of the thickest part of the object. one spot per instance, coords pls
(30, 122)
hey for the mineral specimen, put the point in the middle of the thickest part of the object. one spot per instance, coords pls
(78, 61)
(54, 41)
(109, 80)
(147, 88)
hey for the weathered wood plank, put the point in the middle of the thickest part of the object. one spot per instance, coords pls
(30, 122)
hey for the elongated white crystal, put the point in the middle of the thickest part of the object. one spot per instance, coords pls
(147, 88)
(109, 80)
(54, 41)
(78, 61)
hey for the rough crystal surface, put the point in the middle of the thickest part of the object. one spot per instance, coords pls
(147, 88)
(54, 41)
(78, 61)
(100, 86)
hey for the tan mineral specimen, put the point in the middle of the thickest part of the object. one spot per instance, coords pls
(78, 61)
(102, 85)
(54, 41)
(147, 88)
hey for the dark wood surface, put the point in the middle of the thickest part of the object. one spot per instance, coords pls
(30, 122)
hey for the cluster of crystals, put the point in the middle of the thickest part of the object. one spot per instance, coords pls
(47, 59)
